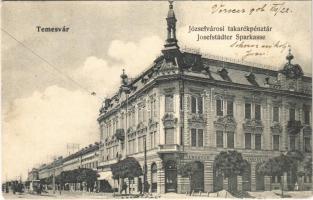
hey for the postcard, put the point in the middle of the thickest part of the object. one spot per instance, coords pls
(156, 99)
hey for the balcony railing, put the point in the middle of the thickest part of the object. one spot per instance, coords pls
(294, 126)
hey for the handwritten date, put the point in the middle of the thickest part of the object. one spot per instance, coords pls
(273, 8)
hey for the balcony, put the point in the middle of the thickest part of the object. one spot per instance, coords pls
(294, 127)
(169, 148)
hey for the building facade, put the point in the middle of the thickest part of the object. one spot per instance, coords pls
(86, 157)
(188, 108)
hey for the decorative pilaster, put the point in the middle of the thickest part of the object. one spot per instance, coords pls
(161, 178)
(208, 176)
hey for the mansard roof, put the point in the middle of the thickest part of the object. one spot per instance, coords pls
(218, 70)
(174, 63)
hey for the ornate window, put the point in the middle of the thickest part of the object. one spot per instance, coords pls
(219, 107)
(230, 139)
(219, 139)
(276, 114)
(306, 110)
(248, 140)
(307, 144)
(276, 142)
(230, 107)
(292, 114)
(257, 111)
(196, 104)
(197, 137)
(248, 111)
(258, 141)
(169, 107)
(292, 143)
(169, 136)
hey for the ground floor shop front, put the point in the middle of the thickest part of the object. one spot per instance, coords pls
(163, 174)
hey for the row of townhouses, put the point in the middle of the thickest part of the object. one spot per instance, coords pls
(86, 157)
(188, 107)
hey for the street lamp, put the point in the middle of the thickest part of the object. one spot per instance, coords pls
(145, 165)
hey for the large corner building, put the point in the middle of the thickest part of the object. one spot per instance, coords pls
(189, 107)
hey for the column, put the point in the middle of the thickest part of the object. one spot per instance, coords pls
(208, 176)
(161, 178)
(267, 183)
(253, 176)
(161, 111)
(239, 117)
(284, 135)
(183, 184)
(186, 127)
(266, 139)
(176, 105)
(210, 135)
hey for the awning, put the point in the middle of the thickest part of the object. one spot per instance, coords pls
(106, 176)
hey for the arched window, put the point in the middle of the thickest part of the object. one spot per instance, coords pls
(154, 172)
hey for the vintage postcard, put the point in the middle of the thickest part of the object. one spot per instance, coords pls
(156, 99)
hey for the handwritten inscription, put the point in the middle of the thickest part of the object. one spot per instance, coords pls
(273, 8)
(256, 49)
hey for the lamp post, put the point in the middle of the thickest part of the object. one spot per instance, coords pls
(145, 165)
(53, 178)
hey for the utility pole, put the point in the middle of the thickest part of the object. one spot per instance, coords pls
(145, 165)
(53, 177)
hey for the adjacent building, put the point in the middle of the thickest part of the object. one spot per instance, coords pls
(87, 157)
(189, 107)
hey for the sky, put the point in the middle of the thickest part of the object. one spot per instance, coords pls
(43, 109)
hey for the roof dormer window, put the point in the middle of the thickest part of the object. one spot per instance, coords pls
(224, 74)
(251, 78)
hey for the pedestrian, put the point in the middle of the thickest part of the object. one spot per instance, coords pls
(13, 188)
(124, 187)
(140, 185)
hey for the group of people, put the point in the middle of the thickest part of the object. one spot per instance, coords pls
(15, 187)
(140, 187)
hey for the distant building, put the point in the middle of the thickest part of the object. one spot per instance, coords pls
(190, 107)
(85, 158)
(33, 175)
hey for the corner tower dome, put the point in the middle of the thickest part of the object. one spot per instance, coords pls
(290, 70)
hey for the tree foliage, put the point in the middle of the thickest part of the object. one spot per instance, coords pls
(188, 169)
(230, 163)
(80, 175)
(283, 163)
(127, 168)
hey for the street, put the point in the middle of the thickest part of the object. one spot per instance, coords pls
(86, 195)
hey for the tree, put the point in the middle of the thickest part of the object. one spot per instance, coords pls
(230, 164)
(277, 166)
(88, 176)
(127, 168)
(188, 170)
